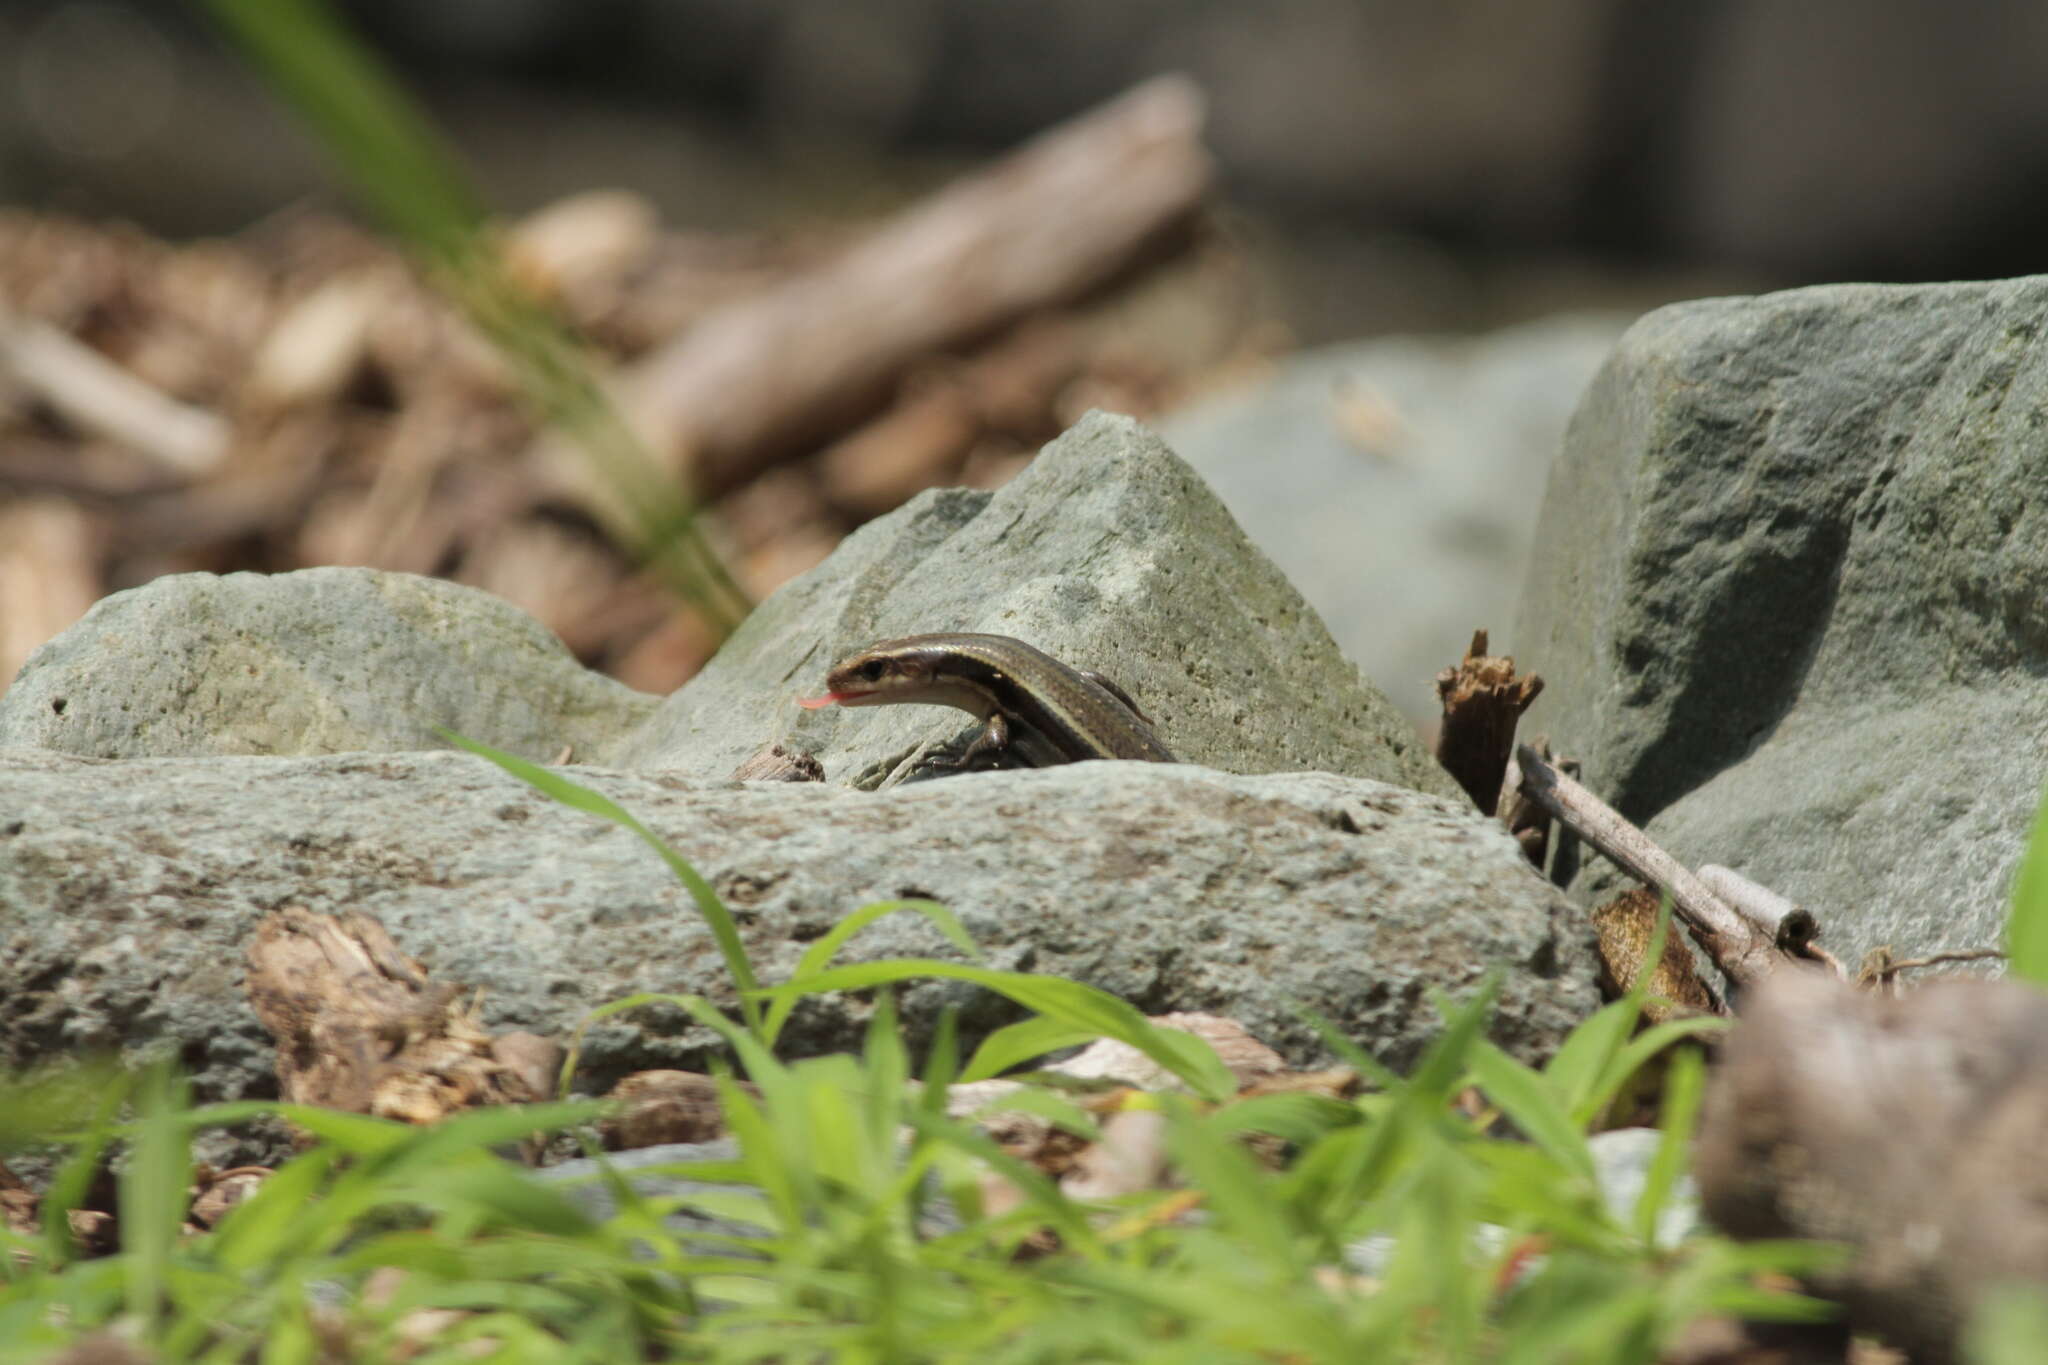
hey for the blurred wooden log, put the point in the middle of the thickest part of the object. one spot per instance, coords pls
(1054, 218)
(911, 447)
(100, 398)
(49, 574)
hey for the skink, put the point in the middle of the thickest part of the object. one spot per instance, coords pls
(1031, 702)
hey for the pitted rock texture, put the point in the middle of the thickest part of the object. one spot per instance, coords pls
(129, 889)
(320, 661)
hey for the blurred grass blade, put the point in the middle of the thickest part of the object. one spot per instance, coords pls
(74, 1178)
(1015, 1044)
(1529, 1099)
(366, 123)
(1237, 1191)
(152, 1190)
(1641, 1049)
(2026, 926)
(1684, 1082)
(408, 176)
(2009, 1327)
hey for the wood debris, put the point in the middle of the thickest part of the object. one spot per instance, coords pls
(362, 1028)
(1623, 928)
(1483, 700)
(298, 395)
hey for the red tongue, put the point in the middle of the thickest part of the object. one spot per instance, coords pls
(814, 703)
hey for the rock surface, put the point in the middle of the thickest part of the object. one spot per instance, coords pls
(1397, 482)
(128, 891)
(1107, 552)
(321, 661)
(1791, 596)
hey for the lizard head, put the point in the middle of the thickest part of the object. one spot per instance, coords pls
(889, 671)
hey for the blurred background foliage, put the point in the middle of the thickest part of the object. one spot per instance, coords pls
(653, 168)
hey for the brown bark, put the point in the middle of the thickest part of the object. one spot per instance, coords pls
(1623, 928)
(1482, 700)
(360, 1027)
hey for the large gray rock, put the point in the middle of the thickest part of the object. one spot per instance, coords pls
(1791, 596)
(1396, 482)
(129, 889)
(1107, 552)
(321, 661)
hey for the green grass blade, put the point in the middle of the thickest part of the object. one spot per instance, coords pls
(152, 1191)
(2026, 925)
(1081, 1006)
(1236, 1191)
(75, 1176)
(504, 1193)
(1443, 1065)
(1298, 1118)
(2009, 1327)
(1014, 1044)
(1684, 1082)
(724, 931)
(1527, 1098)
(820, 954)
(1583, 1064)
(886, 1076)
(1642, 1048)
(942, 1060)
(270, 1224)
(365, 121)
(409, 177)
(1582, 1059)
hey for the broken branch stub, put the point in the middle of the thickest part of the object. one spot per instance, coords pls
(1482, 699)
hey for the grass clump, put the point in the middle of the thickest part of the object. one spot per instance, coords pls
(855, 1221)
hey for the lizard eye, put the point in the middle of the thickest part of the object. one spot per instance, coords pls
(871, 671)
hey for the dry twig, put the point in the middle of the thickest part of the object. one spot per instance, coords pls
(1793, 929)
(1880, 970)
(1744, 953)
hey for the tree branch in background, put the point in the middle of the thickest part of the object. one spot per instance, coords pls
(1060, 215)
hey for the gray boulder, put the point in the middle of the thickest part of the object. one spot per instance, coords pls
(1790, 594)
(1396, 482)
(1108, 552)
(321, 661)
(129, 889)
